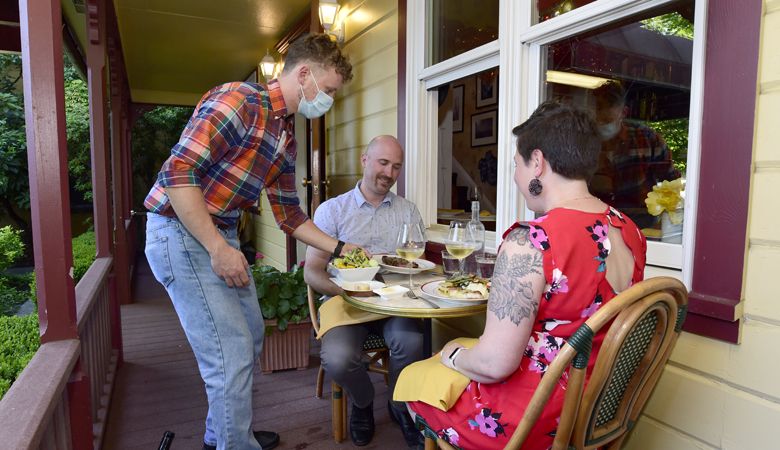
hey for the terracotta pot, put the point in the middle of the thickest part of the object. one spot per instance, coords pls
(287, 349)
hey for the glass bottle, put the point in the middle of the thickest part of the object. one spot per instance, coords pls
(478, 228)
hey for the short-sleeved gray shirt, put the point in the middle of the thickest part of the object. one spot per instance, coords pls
(350, 218)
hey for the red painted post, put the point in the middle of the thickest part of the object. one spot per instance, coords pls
(120, 281)
(47, 157)
(98, 124)
(80, 412)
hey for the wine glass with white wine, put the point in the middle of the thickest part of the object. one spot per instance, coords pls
(410, 245)
(461, 242)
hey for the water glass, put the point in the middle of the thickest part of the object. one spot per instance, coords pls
(449, 263)
(485, 265)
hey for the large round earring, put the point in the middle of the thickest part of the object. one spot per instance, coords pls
(535, 187)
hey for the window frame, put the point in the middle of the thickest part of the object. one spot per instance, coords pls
(713, 271)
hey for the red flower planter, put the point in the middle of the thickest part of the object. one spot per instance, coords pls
(287, 349)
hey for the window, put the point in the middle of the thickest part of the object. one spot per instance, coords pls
(720, 126)
(467, 142)
(548, 9)
(457, 26)
(635, 76)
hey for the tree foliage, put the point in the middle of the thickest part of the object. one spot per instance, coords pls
(154, 133)
(672, 24)
(14, 181)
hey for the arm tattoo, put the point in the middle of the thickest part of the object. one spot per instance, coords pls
(512, 293)
(520, 236)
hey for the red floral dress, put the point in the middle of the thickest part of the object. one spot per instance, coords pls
(574, 246)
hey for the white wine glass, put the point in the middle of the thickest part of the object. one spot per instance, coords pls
(410, 245)
(461, 242)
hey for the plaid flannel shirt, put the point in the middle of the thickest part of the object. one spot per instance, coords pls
(238, 141)
(630, 164)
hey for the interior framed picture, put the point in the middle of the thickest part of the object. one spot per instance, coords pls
(457, 108)
(487, 89)
(484, 127)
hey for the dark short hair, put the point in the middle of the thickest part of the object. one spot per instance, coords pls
(610, 94)
(320, 49)
(567, 136)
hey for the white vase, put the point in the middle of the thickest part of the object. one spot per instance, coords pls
(670, 232)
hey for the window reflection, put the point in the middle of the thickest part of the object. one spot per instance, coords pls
(468, 154)
(458, 26)
(547, 9)
(635, 77)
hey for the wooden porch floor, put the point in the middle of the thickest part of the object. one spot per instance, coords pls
(158, 388)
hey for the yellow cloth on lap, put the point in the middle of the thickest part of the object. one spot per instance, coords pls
(429, 381)
(335, 312)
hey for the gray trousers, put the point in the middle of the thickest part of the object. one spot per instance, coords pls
(342, 351)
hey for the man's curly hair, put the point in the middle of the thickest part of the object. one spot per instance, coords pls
(319, 49)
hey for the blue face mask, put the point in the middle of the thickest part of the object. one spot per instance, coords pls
(609, 130)
(311, 109)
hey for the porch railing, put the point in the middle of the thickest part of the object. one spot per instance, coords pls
(34, 414)
(36, 411)
(98, 358)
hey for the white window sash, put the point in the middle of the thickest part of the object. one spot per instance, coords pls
(520, 66)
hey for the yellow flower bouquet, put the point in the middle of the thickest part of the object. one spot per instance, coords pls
(667, 196)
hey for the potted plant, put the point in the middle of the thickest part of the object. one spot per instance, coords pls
(283, 301)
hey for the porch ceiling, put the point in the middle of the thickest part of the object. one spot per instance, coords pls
(178, 49)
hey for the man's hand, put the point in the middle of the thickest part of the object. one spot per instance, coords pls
(230, 265)
(349, 247)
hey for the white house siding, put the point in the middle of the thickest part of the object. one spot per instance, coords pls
(715, 395)
(368, 105)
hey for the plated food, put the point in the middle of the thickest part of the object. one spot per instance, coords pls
(355, 259)
(358, 288)
(354, 266)
(464, 287)
(392, 263)
(399, 262)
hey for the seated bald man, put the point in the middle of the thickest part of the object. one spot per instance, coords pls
(369, 216)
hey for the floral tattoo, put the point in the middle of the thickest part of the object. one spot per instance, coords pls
(511, 293)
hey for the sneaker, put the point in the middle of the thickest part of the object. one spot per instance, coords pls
(266, 439)
(361, 425)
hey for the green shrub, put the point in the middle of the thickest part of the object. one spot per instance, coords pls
(18, 343)
(11, 246)
(83, 254)
(282, 295)
(11, 298)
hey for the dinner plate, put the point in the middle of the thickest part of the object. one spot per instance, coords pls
(422, 263)
(348, 287)
(430, 289)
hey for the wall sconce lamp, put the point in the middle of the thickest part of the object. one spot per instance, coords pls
(329, 14)
(268, 66)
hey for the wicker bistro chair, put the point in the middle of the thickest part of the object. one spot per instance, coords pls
(377, 352)
(648, 318)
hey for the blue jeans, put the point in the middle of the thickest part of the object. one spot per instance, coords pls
(223, 325)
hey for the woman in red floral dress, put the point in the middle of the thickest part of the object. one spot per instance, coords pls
(551, 274)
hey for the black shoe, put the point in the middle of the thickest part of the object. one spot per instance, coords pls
(266, 439)
(414, 439)
(361, 425)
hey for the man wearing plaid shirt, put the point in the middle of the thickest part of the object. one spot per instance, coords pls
(238, 142)
(632, 160)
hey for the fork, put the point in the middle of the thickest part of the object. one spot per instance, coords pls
(411, 294)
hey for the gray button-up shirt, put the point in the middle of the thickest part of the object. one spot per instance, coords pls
(350, 218)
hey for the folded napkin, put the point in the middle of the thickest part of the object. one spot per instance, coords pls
(429, 381)
(335, 312)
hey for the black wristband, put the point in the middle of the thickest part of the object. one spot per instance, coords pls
(337, 250)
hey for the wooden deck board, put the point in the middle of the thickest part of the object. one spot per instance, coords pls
(158, 388)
